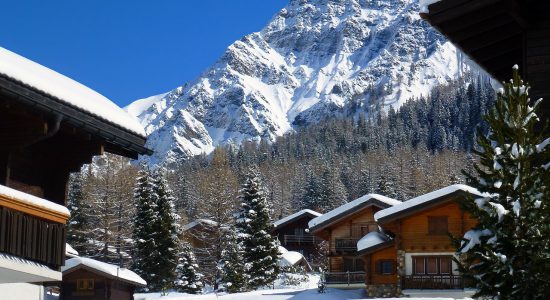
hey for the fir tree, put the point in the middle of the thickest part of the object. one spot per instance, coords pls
(144, 235)
(507, 253)
(188, 278)
(254, 227)
(231, 267)
(166, 231)
(79, 223)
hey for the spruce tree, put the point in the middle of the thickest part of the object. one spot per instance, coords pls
(79, 223)
(166, 230)
(254, 227)
(144, 234)
(507, 254)
(231, 266)
(188, 279)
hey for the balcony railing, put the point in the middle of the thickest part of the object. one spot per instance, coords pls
(299, 239)
(346, 245)
(344, 277)
(32, 228)
(438, 282)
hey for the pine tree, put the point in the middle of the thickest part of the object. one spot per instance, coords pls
(188, 279)
(254, 227)
(144, 235)
(166, 230)
(79, 223)
(507, 254)
(231, 267)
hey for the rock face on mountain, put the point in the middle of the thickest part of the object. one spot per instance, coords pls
(315, 59)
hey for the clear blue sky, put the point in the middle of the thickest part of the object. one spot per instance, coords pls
(128, 50)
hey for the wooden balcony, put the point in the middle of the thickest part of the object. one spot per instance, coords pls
(300, 239)
(433, 282)
(344, 278)
(348, 245)
(32, 228)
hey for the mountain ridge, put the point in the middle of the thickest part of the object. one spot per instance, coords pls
(315, 59)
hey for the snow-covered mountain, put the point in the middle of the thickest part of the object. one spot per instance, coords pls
(314, 59)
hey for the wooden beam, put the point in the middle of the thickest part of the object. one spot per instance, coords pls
(445, 11)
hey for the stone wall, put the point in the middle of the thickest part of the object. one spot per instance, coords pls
(400, 269)
(382, 290)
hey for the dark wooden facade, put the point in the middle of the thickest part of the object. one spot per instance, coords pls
(32, 238)
(42, 140)
(498, 34)
(85, 284)
(294, 236)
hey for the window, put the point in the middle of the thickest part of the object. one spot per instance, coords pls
(385, 267)
(438, 225)
(84, 284)
(432, 265)
(299, 231)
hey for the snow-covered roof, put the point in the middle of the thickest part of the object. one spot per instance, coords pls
(290, 259)
(296, 216)
(110, 270)
(33, 201)
(65, 89)
(197, 222)
(70, 251)
(426, 199)
(372, 239)
(423, 4)
(350, 208)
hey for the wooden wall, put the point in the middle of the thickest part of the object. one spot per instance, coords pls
(413, 231)
(104, 288)
(371, 260)
(343, 229)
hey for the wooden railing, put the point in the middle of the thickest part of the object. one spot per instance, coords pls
(346, 245)
(344, 277)
(32, 231)
(438, 282)
(299, 239)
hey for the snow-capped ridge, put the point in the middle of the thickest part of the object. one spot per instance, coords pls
(314, 60)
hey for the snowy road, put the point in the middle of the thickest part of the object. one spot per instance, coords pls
(277, 294)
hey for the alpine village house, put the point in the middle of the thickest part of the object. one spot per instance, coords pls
(293, 234)
(50, 125)
(394, 248)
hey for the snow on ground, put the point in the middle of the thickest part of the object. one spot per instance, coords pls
(277, 294)
(307, 290)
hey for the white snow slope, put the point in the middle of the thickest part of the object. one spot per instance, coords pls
(315, 59)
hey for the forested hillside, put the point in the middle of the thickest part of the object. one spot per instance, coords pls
(400, 154)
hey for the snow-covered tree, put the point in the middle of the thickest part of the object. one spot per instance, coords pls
(231, 266)
(166, 229)
(144, 235)
(254, 227)
(188, 278)
(507, 254)
(78, 234)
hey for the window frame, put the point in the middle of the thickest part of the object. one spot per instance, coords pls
(380, 269)
(438, 258)
(85, 284)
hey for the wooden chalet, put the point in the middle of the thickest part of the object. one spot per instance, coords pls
(413, 251)
(85, 278)
(293, 234)
(200, 233)
(50, 126)
(497, 34)
(343, 227)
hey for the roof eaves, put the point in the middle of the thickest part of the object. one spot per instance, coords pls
(75, 116)
(347, 213)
